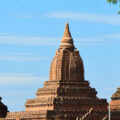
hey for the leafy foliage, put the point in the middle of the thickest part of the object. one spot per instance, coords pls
(114, 2)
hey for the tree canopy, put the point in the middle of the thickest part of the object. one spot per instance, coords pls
(115, 2)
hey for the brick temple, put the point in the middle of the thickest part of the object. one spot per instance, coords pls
(66, 95)
(115, 100)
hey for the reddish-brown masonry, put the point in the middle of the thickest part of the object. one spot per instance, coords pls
(66, 95)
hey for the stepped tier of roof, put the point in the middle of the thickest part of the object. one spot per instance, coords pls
(115, 100)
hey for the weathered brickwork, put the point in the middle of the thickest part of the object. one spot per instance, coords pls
(66, 95)
(115, 100)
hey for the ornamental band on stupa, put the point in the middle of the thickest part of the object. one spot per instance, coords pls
(66, 95)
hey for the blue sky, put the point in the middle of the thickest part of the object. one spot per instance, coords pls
(30, 33)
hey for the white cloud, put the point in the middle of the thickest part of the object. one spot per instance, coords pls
(29, 16)
(77, 16)
(86, 17)
(27, 40)
(20, 57)
(48, 41)
(107, 39)
(109, 89)
(20, 79)
(2, 34)
(112, 36)
(18, 92)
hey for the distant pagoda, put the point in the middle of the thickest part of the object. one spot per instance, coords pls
(3, 109)
(66, 95)
(115, 100)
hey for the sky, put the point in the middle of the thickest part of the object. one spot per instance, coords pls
(30, 33)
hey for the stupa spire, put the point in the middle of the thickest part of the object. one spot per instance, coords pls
(67, 41)
(67, 31)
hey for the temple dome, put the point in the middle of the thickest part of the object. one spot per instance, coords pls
(67, 63)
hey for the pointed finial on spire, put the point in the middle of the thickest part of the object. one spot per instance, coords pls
(67, 41)
(67, 31)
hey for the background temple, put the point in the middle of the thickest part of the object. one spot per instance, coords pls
(115, 103)
(3, 109)
(66, 95)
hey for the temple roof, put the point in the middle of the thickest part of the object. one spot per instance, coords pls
(67, 63)
(115, 100)
(116, 95)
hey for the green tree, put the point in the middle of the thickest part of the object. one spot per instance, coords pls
(115, 2)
